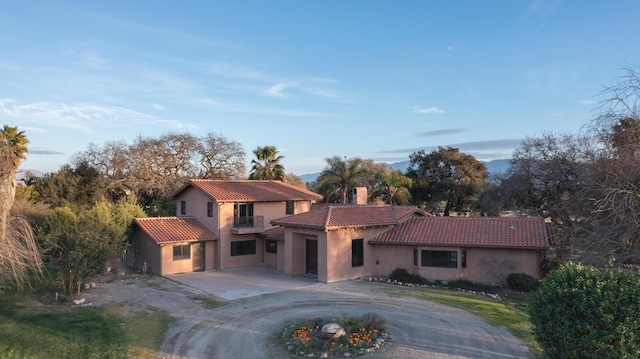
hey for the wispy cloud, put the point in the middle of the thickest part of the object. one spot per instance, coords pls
(35, 151)
(159, 107)
(449, 131)
(503, 144)
(586, 102)
(166, 32)
(277, 90)
(428, 110)
(81, 117)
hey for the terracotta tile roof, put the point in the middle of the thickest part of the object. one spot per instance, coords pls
(275, 233)
(349, 216)
(249, 190)
(175, 229)
(500, 232)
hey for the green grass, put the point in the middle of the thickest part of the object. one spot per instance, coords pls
(208, 302)
(29, 329)
(509, 314)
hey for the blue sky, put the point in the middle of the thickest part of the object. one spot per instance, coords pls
(373, 79)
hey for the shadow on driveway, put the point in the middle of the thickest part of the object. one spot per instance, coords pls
(243, 282)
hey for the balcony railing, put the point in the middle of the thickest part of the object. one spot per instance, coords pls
(252, 224)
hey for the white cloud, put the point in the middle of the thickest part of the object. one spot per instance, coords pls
(158, 107)
(586, 102)
(81, 117)
(277, 90)
(429, 110)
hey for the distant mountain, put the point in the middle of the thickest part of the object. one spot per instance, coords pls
(493, 167)
(310, 177)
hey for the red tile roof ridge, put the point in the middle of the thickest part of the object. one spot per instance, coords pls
(248, 190)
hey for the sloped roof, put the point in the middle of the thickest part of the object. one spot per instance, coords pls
(502, 232)
(275, 233)
(249, 190)
(175, 229)
(348, 216)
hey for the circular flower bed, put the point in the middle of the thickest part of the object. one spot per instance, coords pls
(344, 337)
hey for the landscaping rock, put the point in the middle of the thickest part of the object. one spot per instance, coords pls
(333, 331)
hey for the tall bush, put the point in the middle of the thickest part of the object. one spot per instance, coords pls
(583, 312)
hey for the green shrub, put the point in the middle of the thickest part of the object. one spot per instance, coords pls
(402, 275)
(522, 282)
(583, 312)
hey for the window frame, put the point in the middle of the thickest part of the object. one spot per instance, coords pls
(438, 258)
(243, 248)
(183, 207)
(210, 209)
(182, 255)
(357, 252)
(290, 207)
(271, 246)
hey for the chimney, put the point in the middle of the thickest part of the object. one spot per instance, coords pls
(359, 195)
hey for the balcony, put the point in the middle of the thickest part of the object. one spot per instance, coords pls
(246, 225)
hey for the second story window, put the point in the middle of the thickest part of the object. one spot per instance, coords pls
(243, 214)
(183, 207)
(290, 208)
(209, 209)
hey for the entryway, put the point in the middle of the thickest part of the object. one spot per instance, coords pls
(311, 258)
(198, 256)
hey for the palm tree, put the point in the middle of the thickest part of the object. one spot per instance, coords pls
(266, 166)
(340, 176)
(395, 186)
(18, 249)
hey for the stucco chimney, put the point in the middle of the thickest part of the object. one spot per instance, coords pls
(359, 195)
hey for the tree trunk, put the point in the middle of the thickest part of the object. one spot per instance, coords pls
(7, 196)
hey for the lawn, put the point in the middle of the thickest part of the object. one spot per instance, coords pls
(30, 329)
(508, 313)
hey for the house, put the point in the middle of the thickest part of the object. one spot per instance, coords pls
(275, 224)
(478, 249)
(235, 215)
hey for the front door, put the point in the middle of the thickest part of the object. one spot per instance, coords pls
(198, 257)
(312, 256)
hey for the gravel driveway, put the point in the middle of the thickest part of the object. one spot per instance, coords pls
(245, 328)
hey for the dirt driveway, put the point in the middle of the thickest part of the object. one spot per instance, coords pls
(245, 328)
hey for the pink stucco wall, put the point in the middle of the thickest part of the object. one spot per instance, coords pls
(221, 223)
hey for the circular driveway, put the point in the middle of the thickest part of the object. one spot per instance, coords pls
(247, 327)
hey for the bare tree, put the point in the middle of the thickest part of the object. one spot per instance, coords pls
(221, 158)
(154, 167)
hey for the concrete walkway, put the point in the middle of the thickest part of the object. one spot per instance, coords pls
(243, 282)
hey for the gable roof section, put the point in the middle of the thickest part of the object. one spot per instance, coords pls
(249, 190)
(488, 232)
(175, 229)
(349, 216)
(276, 233)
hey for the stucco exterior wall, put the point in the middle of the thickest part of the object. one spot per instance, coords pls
(339, 250)
(492, 265)
(294, 253)
(169, 266)
(390, 257)
(144, 249)
(484, 265)
(218, 253)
